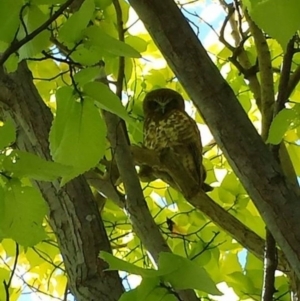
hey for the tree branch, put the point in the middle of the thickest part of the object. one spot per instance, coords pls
(141, 219)
(270, 266)
(74, 216)
(266, 76)
(249, 157)
(283, 92)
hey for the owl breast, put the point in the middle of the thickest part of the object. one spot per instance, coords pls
(169, 131)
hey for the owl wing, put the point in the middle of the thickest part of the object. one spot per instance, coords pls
(176, 130)
(190, 148)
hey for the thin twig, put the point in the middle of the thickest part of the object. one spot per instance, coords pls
(121, 70)
(13, 271)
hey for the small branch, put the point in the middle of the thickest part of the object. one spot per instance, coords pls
(266, 75)
(13, 271)
(270, 266)
(239, 57)
(283, 89)
(121, 72)
(16, 45)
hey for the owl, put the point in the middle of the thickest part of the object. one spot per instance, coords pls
(167, 125)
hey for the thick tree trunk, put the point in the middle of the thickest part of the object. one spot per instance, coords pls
(276, 200)
(74, 215)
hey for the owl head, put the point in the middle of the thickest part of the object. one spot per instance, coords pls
(162, 101)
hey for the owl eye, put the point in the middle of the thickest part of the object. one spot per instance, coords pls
(153, 105)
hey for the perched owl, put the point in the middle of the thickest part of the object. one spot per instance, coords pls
(167, 125)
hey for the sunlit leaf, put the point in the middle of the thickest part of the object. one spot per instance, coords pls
(7, 134)
(40, 2)
(282, 19)
(24, 211)
(285, 120)
(121, 265)
(105, 98)
(78, 133)
(22, 164)
(186, 274)
(97, 37)
(72, 30)
(9, 16)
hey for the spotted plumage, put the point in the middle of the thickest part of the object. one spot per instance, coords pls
(167, 125)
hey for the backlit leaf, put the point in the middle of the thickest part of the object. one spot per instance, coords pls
(7, 134)
(97, 37)
(278, 18)
(22, 164)
(78, 133)
(24, 211)
(73, 28)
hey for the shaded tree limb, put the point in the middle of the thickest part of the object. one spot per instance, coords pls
(135, 204)
(74, 216)
(270, 266)
(266, 76)
(283, 92)
(275, 198)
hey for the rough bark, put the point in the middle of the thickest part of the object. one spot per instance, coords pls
(275, 198)
(74, 216)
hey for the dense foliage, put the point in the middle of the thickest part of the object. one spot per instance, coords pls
(66, 46)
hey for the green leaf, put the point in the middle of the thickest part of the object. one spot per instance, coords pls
(185, 274)
(278, 18)
(23, 214)
(23, 164)
(87, 75)
(150, 290)
(86, 56)
(225, 196)
(78, 133)
(72, 30)
(7, 134)
(12, 63)
(49, 2)
(137, 43)
(121, 265)
(97, 37)
(285, 120)
(9, 16)
(231, 183)
(103, 3)
(105, 98)
(33, 18)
